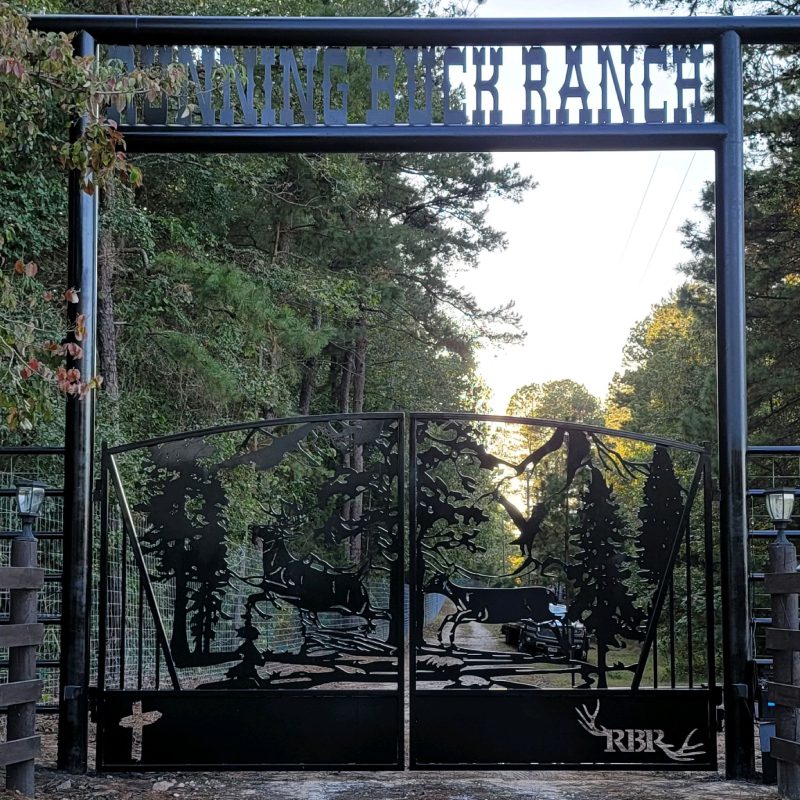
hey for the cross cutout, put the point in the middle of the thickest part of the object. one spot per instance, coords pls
(137, 721)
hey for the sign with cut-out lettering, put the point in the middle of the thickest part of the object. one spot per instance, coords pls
(453, 86)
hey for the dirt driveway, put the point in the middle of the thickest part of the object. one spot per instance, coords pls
(398, 786)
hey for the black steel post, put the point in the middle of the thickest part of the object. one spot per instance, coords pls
(78, 476)
(732, 408)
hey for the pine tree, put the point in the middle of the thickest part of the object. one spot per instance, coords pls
(660, 516)
(601, 599)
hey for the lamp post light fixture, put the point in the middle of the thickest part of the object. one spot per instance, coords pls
(780, 503)
(30, 497)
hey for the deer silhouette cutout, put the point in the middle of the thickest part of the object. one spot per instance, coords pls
(311, 584)
(491, 605)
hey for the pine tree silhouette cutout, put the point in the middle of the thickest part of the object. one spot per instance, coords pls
(660, 516)
(598, 573)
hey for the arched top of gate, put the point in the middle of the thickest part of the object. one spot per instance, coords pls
(401, 417)
(255, 425)
(563, 424)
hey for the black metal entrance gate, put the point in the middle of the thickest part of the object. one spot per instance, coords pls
(252, 591)
(252, 597)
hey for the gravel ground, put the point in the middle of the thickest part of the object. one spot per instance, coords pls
(398, 785)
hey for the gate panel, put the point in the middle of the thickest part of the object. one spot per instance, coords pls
(573, 565)
(252, 597)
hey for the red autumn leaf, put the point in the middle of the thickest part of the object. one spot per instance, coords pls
(48, 296)
(19, 267)
(71, 296)
(80, 327)
(76, 351)
(31, 269)
(25, 373)
(34, 364)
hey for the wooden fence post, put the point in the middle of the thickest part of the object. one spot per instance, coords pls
(21, 636)
(783, 583)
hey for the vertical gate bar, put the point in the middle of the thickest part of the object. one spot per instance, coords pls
(651, 636)
(708, 554)
(144, 577)
(732, 406)
(412, 581)
(655, 662)
(689, 604)
(102, 588)
(123, 599)
(73, 724)
(672, 630)
(140, 637)
(399, 586)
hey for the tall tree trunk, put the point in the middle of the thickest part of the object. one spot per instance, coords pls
(108, 262)
(359, 379)
(309, 376)
(343, 405)
(359, 365)
(345, 381)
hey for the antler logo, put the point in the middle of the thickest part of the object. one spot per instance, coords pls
(638, 740)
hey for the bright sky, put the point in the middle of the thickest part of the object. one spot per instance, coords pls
(581, 273)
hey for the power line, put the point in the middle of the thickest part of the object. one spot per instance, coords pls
(621, 258)
(666, 221)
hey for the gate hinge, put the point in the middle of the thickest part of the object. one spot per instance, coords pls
(73, 692)
(740, 690)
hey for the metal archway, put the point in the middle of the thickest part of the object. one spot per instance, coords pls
(181, 37)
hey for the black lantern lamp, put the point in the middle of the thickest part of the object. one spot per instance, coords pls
(30, 498)
(780, 503)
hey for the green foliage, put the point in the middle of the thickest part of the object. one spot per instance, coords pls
(44, 87)
(235, 287)
(668, 386)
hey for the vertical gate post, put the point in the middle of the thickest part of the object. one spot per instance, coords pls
(78, 476)
(732, 407)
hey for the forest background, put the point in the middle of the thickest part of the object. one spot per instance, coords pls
(247, 287)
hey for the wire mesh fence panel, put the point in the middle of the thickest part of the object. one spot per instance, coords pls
(44, 465)
(773, 469)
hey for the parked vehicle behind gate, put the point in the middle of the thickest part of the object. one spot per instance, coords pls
(556, 637)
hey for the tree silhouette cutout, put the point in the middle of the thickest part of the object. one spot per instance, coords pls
(599, 572)
(660, 516)
(186, 535)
